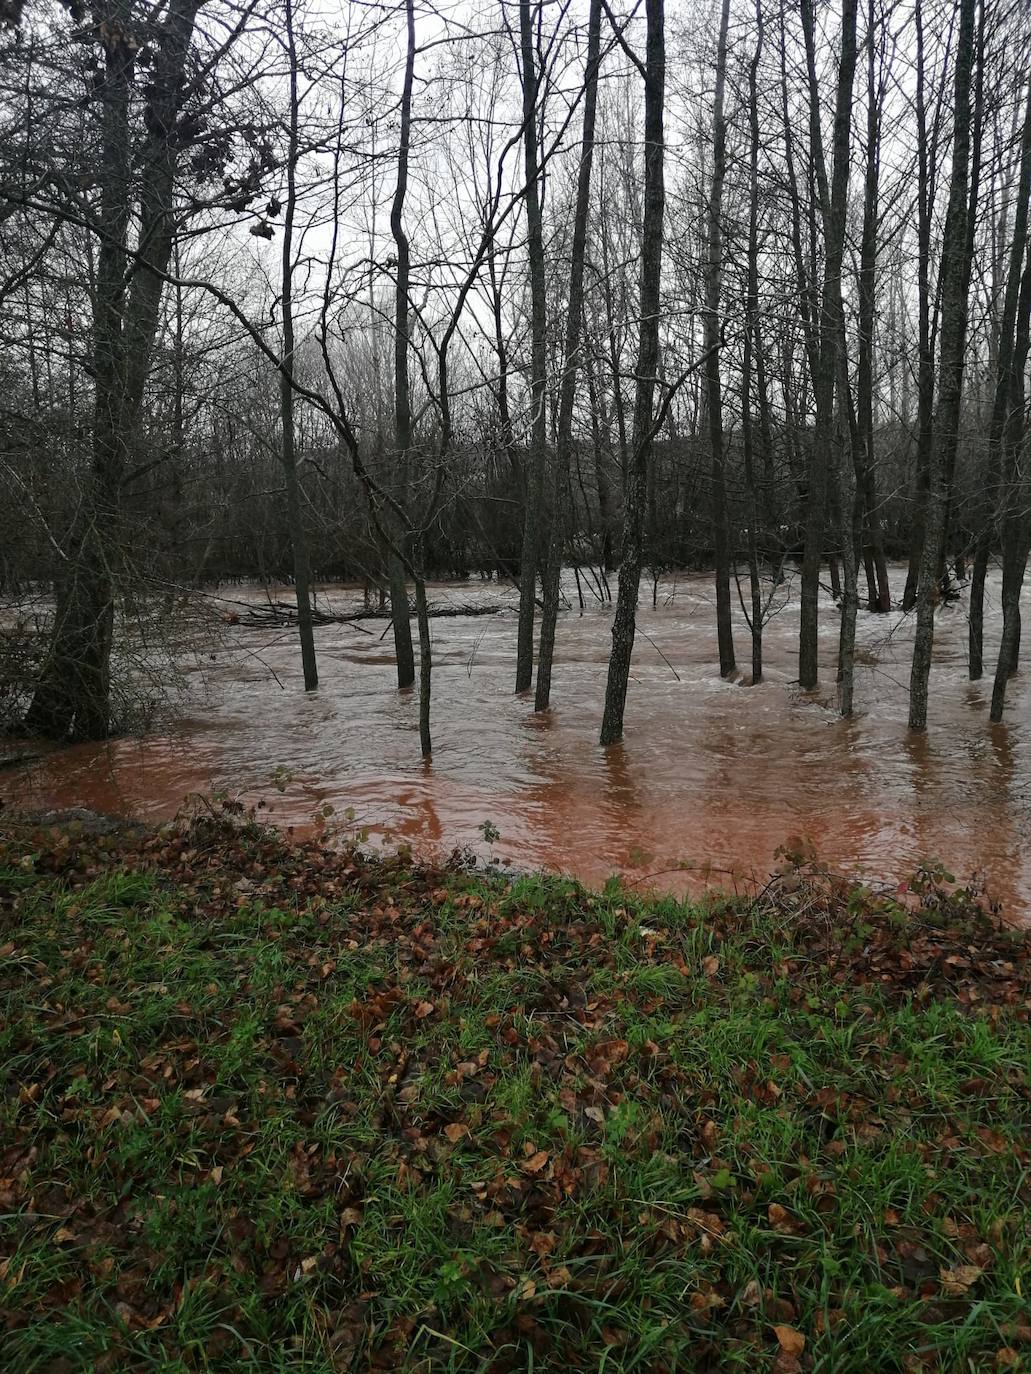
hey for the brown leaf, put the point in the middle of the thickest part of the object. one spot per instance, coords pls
(956, 1282)
(781, 1219)
(423, 1010)
(455, 1130)
(751, 1295)
(790, 1340)
(536, 1162)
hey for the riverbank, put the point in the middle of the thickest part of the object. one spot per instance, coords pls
(269, 1107)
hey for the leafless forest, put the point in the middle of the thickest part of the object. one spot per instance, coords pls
(393, 292)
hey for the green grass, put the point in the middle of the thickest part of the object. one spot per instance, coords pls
(268, 1110)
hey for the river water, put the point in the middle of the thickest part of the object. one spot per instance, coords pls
(711, 778)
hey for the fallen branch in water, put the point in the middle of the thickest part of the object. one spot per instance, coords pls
(281, 613)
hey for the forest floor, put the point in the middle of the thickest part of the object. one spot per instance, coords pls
(272, 1108)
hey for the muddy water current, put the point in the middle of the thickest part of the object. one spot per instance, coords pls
(711, 778)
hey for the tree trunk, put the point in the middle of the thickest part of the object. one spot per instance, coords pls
(625, 621)
(72, 698)
(1017, 523)
(601, 432)
(425, 649)
(533, 517)
(752, 344)
(295, 522)
(399, 608)
(567, 396)
(925, 344)
(865, 461)
(955, 276)
(711, 335)
(833, 204)
(1006, 387)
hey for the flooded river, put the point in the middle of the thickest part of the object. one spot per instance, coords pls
(712, 775)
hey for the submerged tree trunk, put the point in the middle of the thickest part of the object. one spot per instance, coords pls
(574, 318)
(72, 698)
(925, 345)
(295, 521)
(534, 515)
(711, 331)
(399, 608)
(1016, 534)
(425, 650)
(625, 621)
(601, 432)
(1007, 385)
(955, 276)
(400, 612)
(752, 346)
(833, 204)
(864, 457)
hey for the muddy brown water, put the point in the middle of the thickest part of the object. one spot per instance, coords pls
(712, 776)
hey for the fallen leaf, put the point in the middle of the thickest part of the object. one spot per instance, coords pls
(791, 1341)
(751, 1295)
(957, 1281)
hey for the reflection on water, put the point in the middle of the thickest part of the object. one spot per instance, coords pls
(712, 775)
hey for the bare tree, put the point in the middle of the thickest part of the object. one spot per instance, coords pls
(833, 204)
(535, 478)
(955, 280)
(571, 361)
(298, 535)
(713, 381)
(73, 693)
(624, 624)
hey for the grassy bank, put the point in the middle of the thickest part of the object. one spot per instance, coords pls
(269, 1109)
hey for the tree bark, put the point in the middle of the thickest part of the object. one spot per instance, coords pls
(879, 592)
(1016, 531)
(625, 621)
(567, 396)
(955, 277)
(399, 608)
(533, 517)
(72, 698)
(711, 335)
(833, 204)
(753, 346)
(925, 342)
(1007, 383)
(295, 522)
